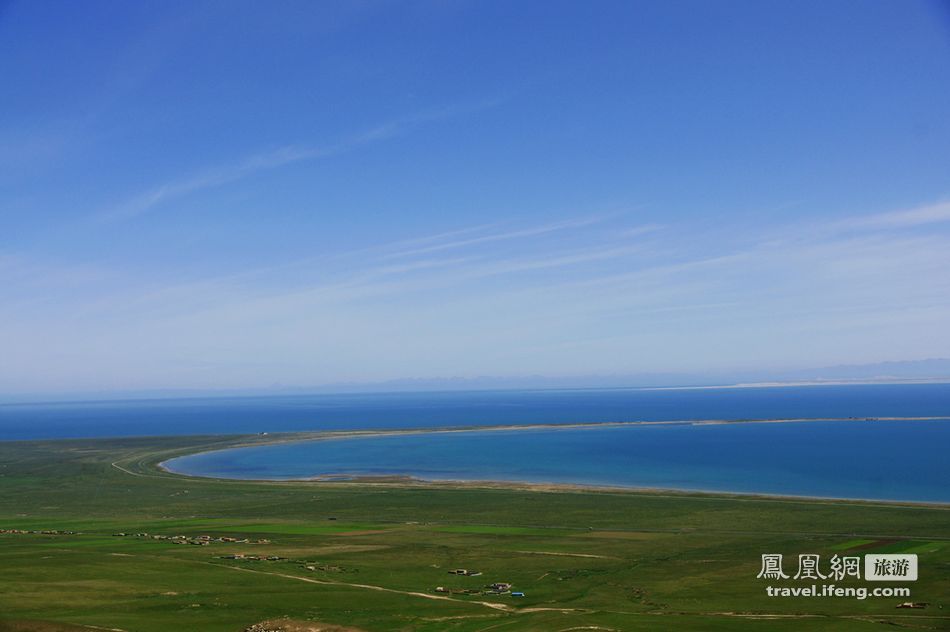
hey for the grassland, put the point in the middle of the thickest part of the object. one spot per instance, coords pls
(586, 560)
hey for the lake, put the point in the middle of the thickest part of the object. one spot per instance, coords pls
(887, 460)
(902, 460)
(288, 413)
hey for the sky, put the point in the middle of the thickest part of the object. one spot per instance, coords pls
(217, 195)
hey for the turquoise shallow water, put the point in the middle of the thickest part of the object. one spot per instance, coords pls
(891, 460)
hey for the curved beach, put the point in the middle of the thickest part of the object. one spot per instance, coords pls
(827, 458)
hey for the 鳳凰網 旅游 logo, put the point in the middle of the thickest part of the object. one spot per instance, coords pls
(893, 567)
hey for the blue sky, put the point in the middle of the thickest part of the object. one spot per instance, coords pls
(238, 194)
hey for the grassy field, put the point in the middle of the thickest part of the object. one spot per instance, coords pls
(371, 556)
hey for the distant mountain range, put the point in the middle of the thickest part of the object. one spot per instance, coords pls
(938, 368)
(931, 370)
(935, 369)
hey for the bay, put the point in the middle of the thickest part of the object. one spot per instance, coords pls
(886, 460)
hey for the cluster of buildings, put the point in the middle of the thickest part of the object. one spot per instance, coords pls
(38, 532)
(327, 568)
(198, 540)
(310, 566)
(497, 588)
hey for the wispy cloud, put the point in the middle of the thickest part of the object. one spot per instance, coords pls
(645, 229)
(918, 216)
(499, 236)
(211, 178)
(526, 295)
(220, 175)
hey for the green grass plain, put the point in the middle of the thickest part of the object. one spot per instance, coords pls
(586, 560)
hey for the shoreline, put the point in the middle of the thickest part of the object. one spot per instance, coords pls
(302, 436)
(406, 480)
(538, 486)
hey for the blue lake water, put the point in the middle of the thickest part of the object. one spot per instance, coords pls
(427, 410)
(883, 459)
(897, 460)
